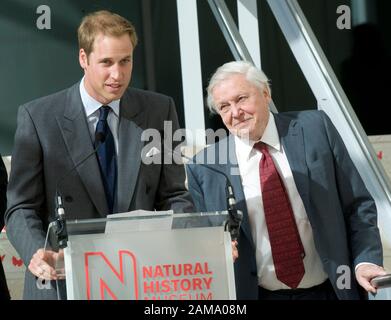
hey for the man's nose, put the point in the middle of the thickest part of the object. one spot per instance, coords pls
(115, 72)
(235, 110)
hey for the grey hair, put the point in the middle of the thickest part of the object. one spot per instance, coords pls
(252, 74)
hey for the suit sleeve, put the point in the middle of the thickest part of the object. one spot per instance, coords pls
(172, 193)
(3, 189)
(194, 188)
(358, 205)
(25, 190)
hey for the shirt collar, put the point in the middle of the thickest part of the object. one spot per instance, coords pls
(91, 105)
(244, 148)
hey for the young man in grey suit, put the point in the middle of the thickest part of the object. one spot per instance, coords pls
(4, 293)
(309, 224)
(56, 132)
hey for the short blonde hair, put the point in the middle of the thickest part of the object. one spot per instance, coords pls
(106, 23)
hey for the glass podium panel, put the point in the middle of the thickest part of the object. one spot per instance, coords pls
(179, 221)
(146, 256)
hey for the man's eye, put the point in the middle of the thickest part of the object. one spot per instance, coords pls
(125, 61)
(224, 108)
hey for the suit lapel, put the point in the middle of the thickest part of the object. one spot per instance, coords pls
(291, 135)
(74, 128)
(232, 171)
(129, 149)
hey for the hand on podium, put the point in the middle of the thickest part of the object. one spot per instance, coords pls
(45, 264)
(366, 272)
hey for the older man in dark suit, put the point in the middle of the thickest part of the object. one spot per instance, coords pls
(55, 133)
(4, 293)
(309, 224)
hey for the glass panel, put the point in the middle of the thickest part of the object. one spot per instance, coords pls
(180, 221)
(90, 237)
(54, 257)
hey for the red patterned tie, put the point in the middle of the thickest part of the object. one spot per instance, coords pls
(287, 249)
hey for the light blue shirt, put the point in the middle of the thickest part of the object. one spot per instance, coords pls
(91, 108)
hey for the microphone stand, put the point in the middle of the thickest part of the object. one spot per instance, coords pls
(234, 216)
(60, 227)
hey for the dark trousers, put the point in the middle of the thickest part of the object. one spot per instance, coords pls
(322, 291)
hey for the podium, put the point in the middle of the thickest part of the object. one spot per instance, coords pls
(149, 257)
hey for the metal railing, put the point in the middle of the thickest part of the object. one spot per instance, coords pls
(326, 88)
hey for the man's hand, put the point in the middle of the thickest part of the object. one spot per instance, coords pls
(43, 264)
(235, 253)
(366, 272)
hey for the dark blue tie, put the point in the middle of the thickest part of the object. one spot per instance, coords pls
(107, 157)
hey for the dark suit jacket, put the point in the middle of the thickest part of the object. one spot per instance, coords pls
(4, 293)
(342, 213)
(52, 136)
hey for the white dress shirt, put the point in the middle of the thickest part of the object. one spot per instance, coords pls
(91, 108)
(248, 160)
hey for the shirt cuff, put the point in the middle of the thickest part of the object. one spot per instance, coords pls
(361, 263)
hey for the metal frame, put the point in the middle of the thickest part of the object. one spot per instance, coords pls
(249, 28)
(332, 99)
(326, 88)
(193, 99)
(232, 34)
(230, 30)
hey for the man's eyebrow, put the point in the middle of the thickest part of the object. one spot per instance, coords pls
(109, 58)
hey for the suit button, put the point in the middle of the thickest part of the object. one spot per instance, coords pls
(68, 199)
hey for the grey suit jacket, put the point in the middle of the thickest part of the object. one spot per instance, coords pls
(52, 136)
(342, 213)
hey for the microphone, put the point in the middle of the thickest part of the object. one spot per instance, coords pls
(234, 216)
(60, 222)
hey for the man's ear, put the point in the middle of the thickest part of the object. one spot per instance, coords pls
(83, 59)
(266, 94)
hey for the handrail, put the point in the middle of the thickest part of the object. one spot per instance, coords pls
(332, 99)
(325, 86)
(340, 96)
(230, 30)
